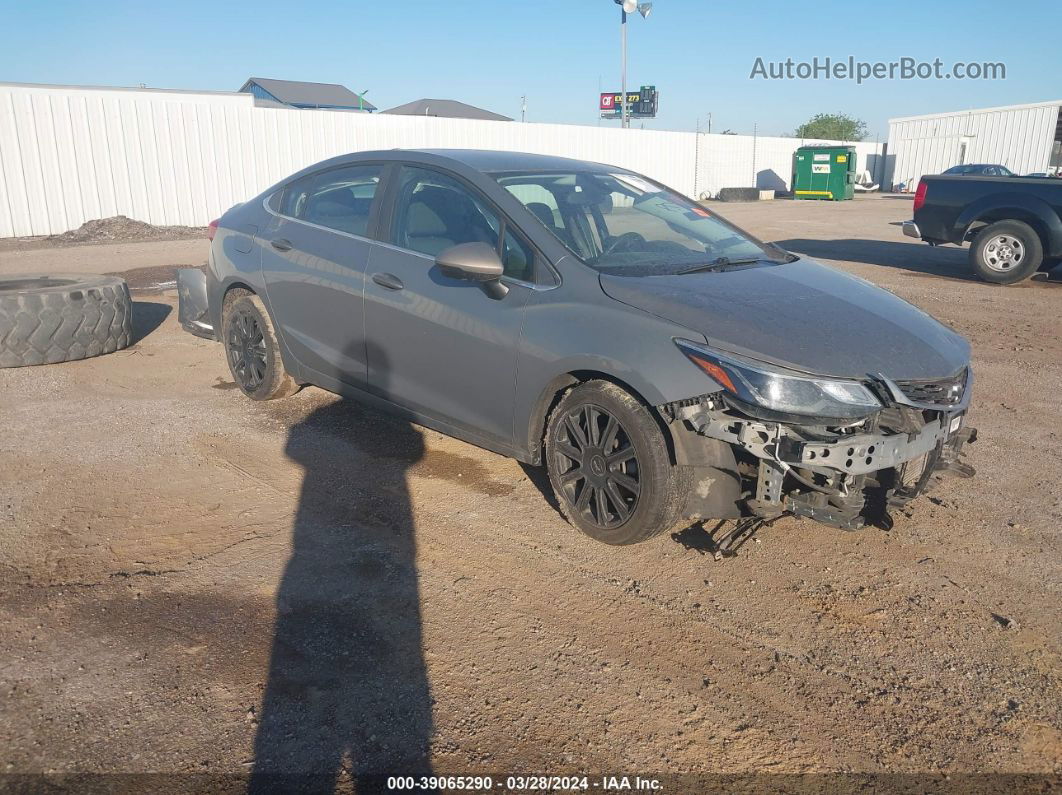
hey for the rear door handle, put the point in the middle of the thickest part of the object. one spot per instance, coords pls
(388, 280)
(280, 244)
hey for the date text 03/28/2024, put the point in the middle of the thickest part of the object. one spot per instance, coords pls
(531, 783)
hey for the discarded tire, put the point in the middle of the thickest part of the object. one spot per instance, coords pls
(61, 318)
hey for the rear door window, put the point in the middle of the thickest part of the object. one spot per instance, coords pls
(339, 199)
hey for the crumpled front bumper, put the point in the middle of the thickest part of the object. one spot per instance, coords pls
(863, 453)
(193, 302)
(844, 477)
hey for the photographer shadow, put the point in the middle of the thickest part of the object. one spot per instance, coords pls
(347, 701)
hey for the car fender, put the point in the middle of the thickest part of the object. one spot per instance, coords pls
(217, 291)
(231, 265)
(1013, 206)
(604, 338)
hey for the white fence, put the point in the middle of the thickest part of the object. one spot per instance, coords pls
(70, 154)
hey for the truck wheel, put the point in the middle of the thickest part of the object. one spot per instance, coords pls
(1006, 252)
(252, 352)
(62, 318)
(609, 466)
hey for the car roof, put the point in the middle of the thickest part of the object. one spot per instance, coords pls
(489, 160)
(471, 161)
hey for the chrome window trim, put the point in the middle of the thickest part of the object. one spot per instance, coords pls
(392, 246)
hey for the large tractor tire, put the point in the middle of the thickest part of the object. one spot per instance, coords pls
(62, 318)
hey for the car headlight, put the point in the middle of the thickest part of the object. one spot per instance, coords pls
(782, 390)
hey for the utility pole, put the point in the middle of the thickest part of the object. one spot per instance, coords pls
(598, 121)
(643, 9)
(523, 108)
(624, 121)
(755, 138)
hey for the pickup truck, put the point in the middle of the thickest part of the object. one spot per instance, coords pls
(1013, 224)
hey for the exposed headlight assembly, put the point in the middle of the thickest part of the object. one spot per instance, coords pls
(781, 390)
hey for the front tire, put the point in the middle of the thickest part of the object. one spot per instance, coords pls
(609, 466)
(1006, 252)
(252, 351)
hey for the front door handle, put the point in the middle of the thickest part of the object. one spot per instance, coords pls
(280, 244)
(388, 280)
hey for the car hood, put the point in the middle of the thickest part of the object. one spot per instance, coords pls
(801, 315)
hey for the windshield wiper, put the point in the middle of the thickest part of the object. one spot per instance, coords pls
(720, 263)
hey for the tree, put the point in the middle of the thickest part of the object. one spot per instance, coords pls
(833, 126)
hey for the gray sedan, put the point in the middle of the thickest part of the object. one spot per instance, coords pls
(662, 364)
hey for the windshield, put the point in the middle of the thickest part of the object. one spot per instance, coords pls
(624, 224)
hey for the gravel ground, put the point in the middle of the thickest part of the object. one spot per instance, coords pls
(194, 583)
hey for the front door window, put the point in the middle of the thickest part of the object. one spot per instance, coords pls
(435, 212)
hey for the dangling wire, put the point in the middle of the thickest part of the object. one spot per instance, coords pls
(744, 529)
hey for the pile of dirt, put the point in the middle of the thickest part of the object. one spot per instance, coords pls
(122, 229)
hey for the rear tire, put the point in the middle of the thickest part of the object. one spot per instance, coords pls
(252, 351)
(609, 466)
(1006, 252)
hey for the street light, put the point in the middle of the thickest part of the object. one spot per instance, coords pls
(361, 99)
(628, 7)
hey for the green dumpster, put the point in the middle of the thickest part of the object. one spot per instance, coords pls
(824, 172)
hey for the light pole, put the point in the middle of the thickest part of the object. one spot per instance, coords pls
(361, 99)
(628, 7)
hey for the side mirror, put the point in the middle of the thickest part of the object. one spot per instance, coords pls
(474, 262)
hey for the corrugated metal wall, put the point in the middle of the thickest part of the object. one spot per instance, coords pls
(69, 154)
(1019, 138)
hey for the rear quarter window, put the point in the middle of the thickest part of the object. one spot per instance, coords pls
(274, 201)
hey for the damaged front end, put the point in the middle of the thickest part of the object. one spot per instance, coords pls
(876, 444)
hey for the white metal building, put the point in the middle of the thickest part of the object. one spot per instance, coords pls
(1024, 138)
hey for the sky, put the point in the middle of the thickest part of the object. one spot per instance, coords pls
(559, 53)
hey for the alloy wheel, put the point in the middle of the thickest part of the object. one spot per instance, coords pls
(246, 349)
(598, 467)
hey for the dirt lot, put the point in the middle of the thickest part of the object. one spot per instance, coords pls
(192, 582)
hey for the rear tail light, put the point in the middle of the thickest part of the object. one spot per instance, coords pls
(212, 228)
(920, 195)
